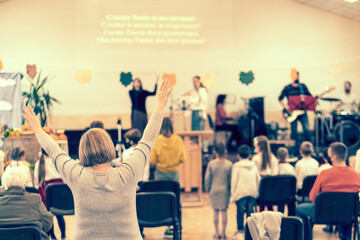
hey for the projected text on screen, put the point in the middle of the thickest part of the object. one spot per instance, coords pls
(146, 29)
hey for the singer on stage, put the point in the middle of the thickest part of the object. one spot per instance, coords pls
(138, 100)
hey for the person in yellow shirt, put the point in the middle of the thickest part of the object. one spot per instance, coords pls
(168, 153)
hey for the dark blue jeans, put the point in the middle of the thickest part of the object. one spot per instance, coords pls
(303, 119)
(245, 204)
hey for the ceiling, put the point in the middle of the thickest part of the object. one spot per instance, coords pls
(339, 7)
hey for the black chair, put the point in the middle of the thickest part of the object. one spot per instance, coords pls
(20, 233)
(155, 209)
(336, 208)
(59, 199)
(278, 190)
(167, 186)
(291, 228)
(308, 183)
(31, 190)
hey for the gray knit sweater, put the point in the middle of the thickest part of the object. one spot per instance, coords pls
(105, 203)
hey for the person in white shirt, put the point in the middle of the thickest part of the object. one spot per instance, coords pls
(265, 161)
(285, 168)
(17, 158)
(199, 101)
(245, 180)
(349, 101)
(307, 165)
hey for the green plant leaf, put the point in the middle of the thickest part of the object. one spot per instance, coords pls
(247, 78)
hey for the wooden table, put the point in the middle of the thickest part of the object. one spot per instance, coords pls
(191, 170)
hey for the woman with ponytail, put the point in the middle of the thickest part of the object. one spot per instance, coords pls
(45, 174)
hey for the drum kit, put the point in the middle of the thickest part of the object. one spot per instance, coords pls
(338, 125)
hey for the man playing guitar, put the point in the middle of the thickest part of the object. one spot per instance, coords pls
(296, 89)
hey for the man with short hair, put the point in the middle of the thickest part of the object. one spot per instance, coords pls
(339, 178)
(349, 101)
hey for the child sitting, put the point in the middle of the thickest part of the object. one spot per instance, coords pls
(307, 165)
(285, 168)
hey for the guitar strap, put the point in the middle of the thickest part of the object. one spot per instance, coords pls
(301, 94)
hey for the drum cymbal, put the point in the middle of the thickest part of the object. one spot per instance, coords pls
(331, 99)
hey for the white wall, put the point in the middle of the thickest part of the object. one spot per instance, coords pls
(266, 36)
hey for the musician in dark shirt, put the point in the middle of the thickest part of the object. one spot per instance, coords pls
(138, 99)
(296, 89)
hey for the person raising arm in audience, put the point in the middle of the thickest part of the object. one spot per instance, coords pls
(104, 197)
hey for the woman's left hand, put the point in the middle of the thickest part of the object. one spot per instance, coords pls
(32, 120)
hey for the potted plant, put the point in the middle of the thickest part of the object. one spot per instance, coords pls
(37, 96)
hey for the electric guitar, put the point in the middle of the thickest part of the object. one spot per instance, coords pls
(292, 116)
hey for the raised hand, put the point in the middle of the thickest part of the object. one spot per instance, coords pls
(164, 93)
(32, 120)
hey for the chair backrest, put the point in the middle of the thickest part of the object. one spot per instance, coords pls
(59, 199)
(336, 208)
(275, 190)
(291, 228)
(308, 183)
(156, 209)
(20, 233)
(162, 186)
(31, 190)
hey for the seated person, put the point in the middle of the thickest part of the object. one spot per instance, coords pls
(221, 124)
(97, 124)
(132, 137)
(18, 207)
(324, 161)
(339, 178)
(17, 159)
(307, 165)
(285, 168)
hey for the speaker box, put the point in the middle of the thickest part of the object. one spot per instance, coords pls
(256, 110)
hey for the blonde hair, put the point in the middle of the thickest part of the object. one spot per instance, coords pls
(14, 176)
(96, 147)
(306, 148)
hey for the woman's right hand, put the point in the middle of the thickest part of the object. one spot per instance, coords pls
(164, 93)
(32, 120)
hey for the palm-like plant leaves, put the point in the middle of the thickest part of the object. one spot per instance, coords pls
(39, 98)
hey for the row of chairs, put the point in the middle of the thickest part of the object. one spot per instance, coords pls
(158, 204)
(331, 208)
(281, 190)
(59, 201)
